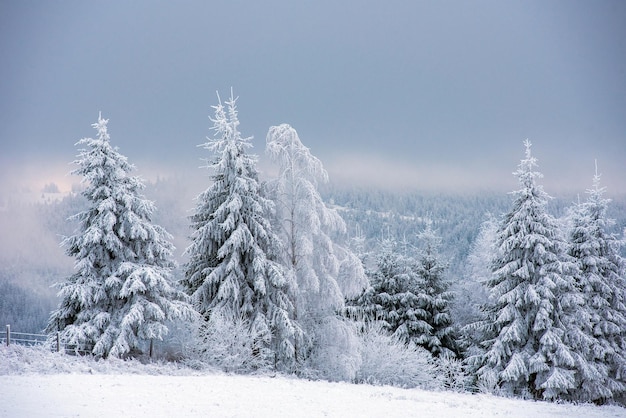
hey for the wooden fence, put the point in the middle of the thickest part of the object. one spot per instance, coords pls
(26, 338)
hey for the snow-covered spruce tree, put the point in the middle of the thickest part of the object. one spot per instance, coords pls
(391, 298)
(434, 299)
(403, 296)
(121, 294)
(325, 271)
(531, 290)
(232, 266)
(602, 282)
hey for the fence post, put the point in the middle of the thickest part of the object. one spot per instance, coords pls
(58, 342)
(151, 345)
(8, 335)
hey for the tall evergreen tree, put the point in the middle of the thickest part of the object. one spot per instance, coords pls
(410, 297)
(325, 271)
(396, 297)
(121, 294)
(603, 283)
(440, 336)
(392, 297)
(233, 263)
(530, 290)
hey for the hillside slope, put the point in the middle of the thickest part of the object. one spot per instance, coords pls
(36, 384)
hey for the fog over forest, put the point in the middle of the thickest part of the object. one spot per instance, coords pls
(34, 223)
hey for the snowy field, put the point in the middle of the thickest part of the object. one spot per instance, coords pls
(34, 383)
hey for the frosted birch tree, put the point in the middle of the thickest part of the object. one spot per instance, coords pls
(530, 290)
(603, 284)
(122, 294)
(325, 271)
(233, 263)
(471, 292)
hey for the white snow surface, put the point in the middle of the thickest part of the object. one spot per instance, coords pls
(34, 383)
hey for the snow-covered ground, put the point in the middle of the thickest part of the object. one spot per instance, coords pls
(33, 384)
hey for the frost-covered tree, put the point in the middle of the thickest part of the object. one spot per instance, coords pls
(470, 292)
(531, 290)
(121, 295)
(392, 297)
(410, 297)
(434, 298)
(233, 266)
(325, 271)
(603, 284)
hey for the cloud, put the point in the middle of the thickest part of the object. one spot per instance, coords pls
(562, 176)
(26, 179)
(380, 172)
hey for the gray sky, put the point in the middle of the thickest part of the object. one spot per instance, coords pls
(408, 93)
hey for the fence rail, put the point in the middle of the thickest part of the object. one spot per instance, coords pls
(26, 338)
(30, 339)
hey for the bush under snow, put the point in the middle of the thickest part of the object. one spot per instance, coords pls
(386, 360)
(229, 345)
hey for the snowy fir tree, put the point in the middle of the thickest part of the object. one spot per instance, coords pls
(233, 266)
(602, 282)
(121, 295)
(439, 337)
(393, 297)
(388, 296)
(410, 297)
(325, 271)
(531, 292)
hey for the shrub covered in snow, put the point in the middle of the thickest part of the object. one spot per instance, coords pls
(452, 373)
(17, 360)
(231, 345)
(335, 356)
(386, 360)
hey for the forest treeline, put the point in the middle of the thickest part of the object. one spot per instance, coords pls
(520, 295)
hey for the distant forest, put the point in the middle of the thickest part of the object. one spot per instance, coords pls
(31, 259)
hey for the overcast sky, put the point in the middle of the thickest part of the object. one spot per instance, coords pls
(427, 94)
